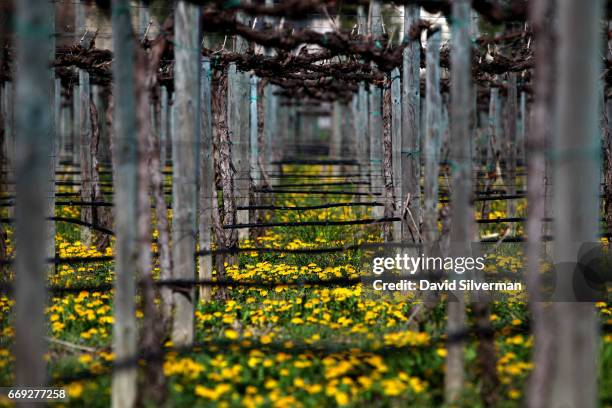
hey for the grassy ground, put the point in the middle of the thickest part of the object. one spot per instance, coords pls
(290, 346)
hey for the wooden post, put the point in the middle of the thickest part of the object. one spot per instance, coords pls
(335, 140)
(494, 128)
(185, 155)
(76, 122)
(55, 103)
(126, 214)
(100, 99)
(57, 115)
(9, 120)
(207, 183)
(144, 16)
(347, 147)
(576, 164)
(462, 228)
(65, 131)
(432, 139)
(33, 125)
(238, 122)
(387, 141)
(521, 128)
(164, 127)
(396, 146)
(544, 31)
(510, 147)
(270, 150)
(254, 153)
(9, 134)
(411, 117)
(269, 112)
(253, 142)
(375, 106)
(292, 134)
(85, 152)
(445, 135)
(79, 20)
(361, 115)
(492, 145)
(79, 30)
(158, 141)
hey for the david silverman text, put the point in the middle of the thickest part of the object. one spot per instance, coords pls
(446, 285)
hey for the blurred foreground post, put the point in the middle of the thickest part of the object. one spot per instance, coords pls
(536, 139)
(185, 155)
(576, 165)
(462, 216)
(126, 205)
(34, 142)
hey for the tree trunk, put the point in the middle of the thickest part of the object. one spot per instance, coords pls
(185, 155)
(33, 125)
(576, 173)
(225, 213)
(387, 159)
(126, 204)
(101, 216)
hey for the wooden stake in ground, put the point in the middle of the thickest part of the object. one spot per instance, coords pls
(33, 126)
(396, 145)
(207, 176)
(540, 17)
(432, 139)
(375, 109)
(411, 113)
(153, 387)
(85, 152)
(361, 114)
(185, 155)
(238, 122)
(462, 217)
(335, 139)
(54, 101)
(576, 164)
(510, 145)
(126, 204)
